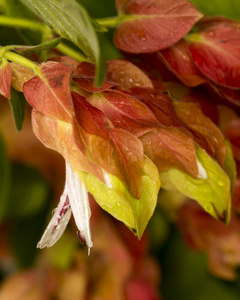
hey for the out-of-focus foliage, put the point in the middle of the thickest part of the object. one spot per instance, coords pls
(227, 8)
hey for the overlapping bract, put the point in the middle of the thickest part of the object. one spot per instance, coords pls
(210, 54)
(65, 121)
(108, 129)
(154, 25)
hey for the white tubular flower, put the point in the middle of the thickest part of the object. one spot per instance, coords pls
(74, 199)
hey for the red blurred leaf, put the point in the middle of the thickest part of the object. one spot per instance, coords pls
(117, 151)
(84, 76)
(215, 49)
(58, 135)
(153, 25)
(171, 147)
(236, 195)
(127, 75)
(5, 79)
(49, 92)
(233, 134)
(192, 116)
(124, 111)
(179, 61)
(141, 290)
(221, 242)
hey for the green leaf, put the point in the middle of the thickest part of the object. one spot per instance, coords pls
(18, 104)
(134, 213)
(4, 179)
(212, 191)
(41, 47)
(227, 8)
(71, 21)
(230, 165)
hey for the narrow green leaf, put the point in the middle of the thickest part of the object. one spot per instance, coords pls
(212, 191)
(18, 104)
(4, 179)
(227, 8)
(71, 21)
(134, 213)
(41, 47)
(230, 165)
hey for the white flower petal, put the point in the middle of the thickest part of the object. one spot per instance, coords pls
(78, 197)
(58, 223)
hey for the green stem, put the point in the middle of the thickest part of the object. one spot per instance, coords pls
(20, 60)
(22, 23)
(63, 48)
(113, 21)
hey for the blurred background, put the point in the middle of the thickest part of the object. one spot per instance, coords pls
(184, 253)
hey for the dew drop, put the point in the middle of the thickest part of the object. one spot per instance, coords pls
(221, 183)
(208, 208)
(211, 33)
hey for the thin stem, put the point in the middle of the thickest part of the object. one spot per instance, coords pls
(20, 60)
(22, 23)
(63, 48)
(113, 21)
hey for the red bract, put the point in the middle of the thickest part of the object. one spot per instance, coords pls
(170, 147)
(167, 147)
(153, 25)
(205, 101)
(215, 49)
(58, 135)
(127, 74)
(116, 150)
(160, 104)
(125, 111)
(194, 119)
(20, 75)
(229, 95)
(179, 61)
(84, 77)
(49, 92)
(5, 79)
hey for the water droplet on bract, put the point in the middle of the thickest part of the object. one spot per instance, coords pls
(208, 208)
(25, 78)
(184, 57)
(221, 183)
(211, 33)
